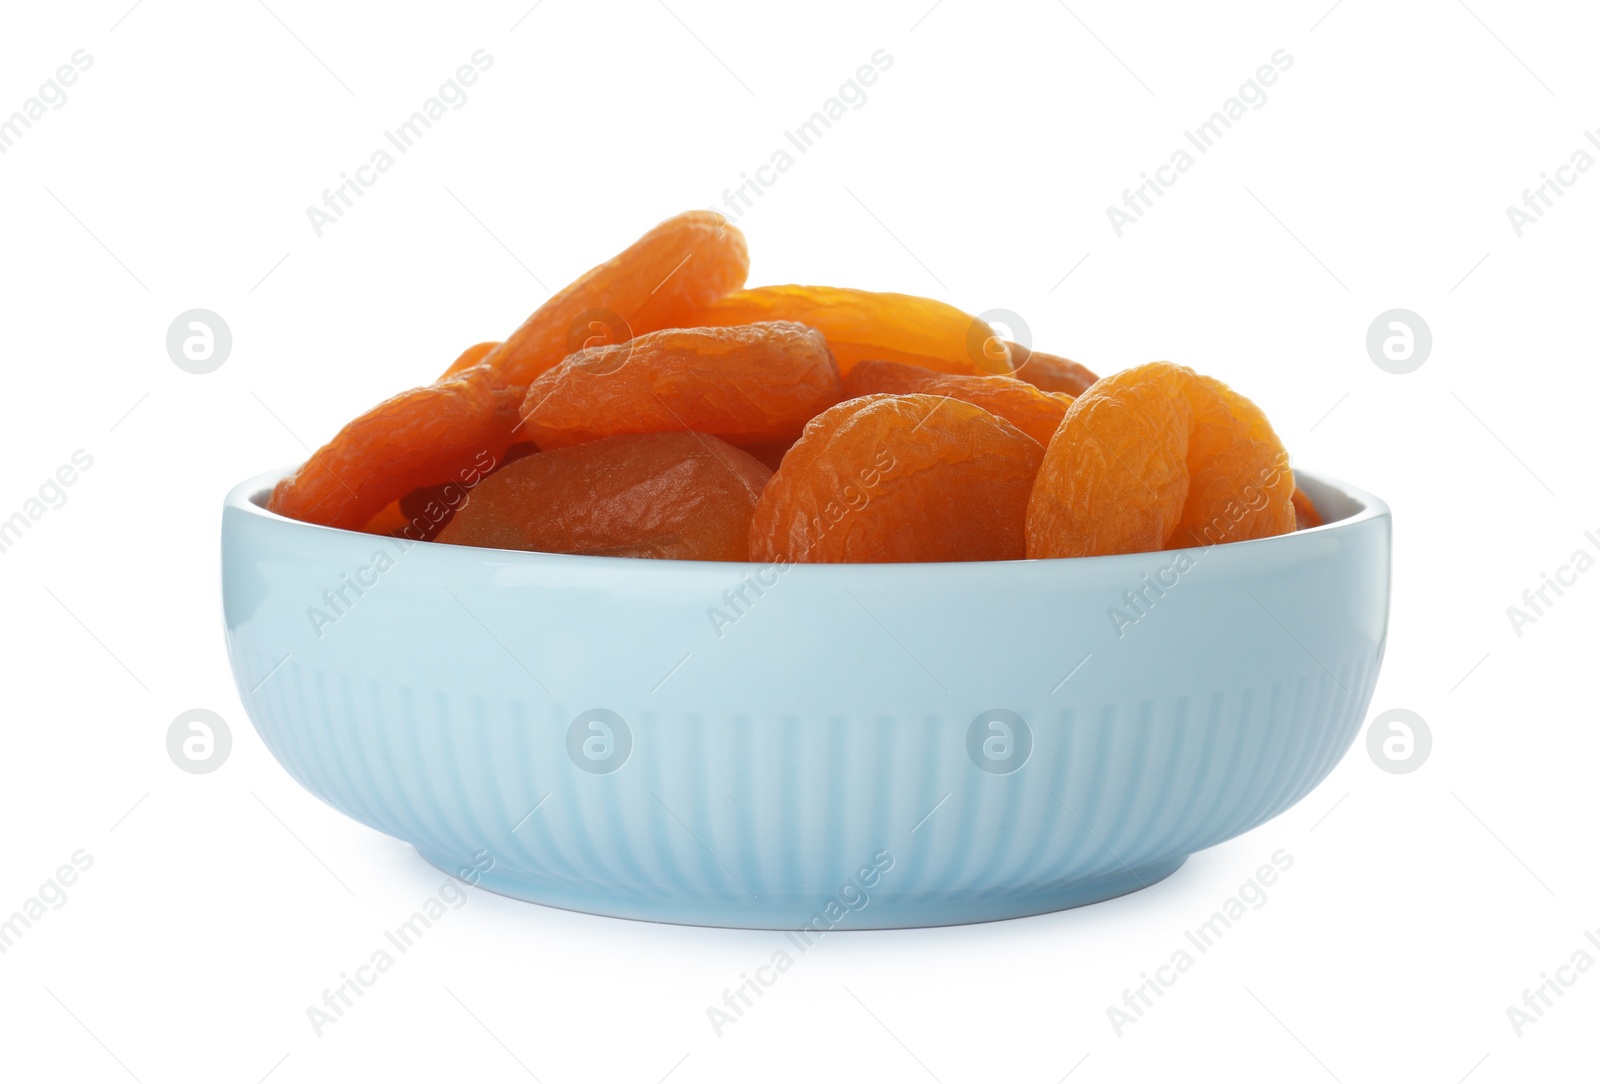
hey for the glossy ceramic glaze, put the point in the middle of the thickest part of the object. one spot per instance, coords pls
(823, 746)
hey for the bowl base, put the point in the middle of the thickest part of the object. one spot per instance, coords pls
(883, 910)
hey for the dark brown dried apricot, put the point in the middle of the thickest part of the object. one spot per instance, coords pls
(677, 268)
(861, 324)
(757, 382)
(1035, 412)
(899, 478)
(682, 496)
(421, 437)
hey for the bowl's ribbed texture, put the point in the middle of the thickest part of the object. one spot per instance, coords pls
(812, 766)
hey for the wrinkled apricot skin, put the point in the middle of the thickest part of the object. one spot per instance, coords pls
(1113, 479)
(1047, 372)
(861, 324)
(899, 478)
(458, 427)
(677, 268)
(1240, 484)
(1035, 412)
(747, 384)
(391, 519)
(656, 407)
(1156, 457)
(677, 496)
(1305, 513)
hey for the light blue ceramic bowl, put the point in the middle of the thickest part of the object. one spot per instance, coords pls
(822, 746)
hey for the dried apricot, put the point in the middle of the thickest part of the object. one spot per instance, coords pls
(389, 520)
(1155, 457)
(1114, 477)
(770, 452)
(681, 265)
(861, 324)
(682, 496)
(1048, 372)
(471, 356)
(757, 382)
(899, 478)
(1240, 484)
(1305, 512)
(456, 428)
(1035, 412)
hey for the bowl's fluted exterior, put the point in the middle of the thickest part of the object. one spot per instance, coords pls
(829, 746)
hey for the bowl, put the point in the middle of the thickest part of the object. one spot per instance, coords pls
(806, 747)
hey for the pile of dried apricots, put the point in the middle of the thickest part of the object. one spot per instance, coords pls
(658, 408)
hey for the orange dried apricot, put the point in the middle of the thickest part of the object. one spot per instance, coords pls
(1035, 412)
(421, 437)
(899, 478)
(681, 496)
(1156, 457)
(678, 267)
(757, 382)
(1240, 484)
(421, 514)
(390, 520)
(861, 324)
(1305, 512)
(471, 356)
(1114, 479)
(1048, 372)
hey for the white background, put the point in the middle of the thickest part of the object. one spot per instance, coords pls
(1377, 175)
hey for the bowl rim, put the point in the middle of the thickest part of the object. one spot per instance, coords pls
(248, 498)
